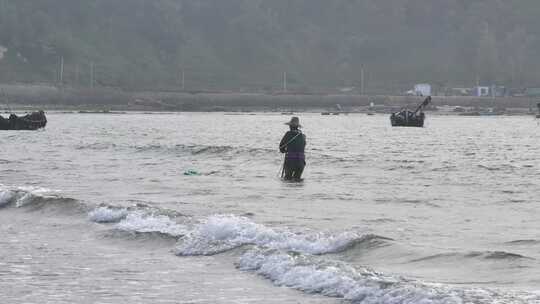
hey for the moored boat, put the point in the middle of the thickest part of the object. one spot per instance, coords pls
(32, 121)
(407, 118)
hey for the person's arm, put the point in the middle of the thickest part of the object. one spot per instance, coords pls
(304, 147)
(283, 143)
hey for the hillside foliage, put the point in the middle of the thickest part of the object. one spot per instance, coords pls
(248, 44)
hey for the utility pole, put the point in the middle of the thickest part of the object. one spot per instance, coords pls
(285, 82)
(362, 87)
(77, 74)
(62, 70)
(92, 75)
(183, 80)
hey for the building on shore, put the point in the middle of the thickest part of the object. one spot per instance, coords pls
(532, 92)
(490, 91)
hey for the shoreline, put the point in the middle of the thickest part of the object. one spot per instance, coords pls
(52, 98)
(25, 109)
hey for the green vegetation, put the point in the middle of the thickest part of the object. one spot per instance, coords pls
(248, 44)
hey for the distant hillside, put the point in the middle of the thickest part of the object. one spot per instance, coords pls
(248, 44)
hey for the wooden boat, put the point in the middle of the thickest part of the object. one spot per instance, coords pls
(33, 121)
(407, 118)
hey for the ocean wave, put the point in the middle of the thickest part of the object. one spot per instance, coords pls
(487, 255)
(313, 274)
(221, 233)
(500, 167)
(202, 149)
(97, 146)
(297, 260)
(140, 218)
(6, 197)
(32, 197)
(523, 242)
(174, 149)
(106, 214)
(219, 150)
(142, 222)
(445, 168)
(498, 255)
(211, 150)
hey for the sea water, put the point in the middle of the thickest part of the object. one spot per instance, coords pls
(96, 208)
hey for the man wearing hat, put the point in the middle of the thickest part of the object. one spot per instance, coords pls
(293, 144)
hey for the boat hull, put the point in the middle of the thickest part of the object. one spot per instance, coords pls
(414, 121)
(33, 121)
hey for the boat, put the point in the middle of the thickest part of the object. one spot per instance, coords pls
(32, 121)
(407, 118)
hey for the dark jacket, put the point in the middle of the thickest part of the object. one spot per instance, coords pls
(293, 143)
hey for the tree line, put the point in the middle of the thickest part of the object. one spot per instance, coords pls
(248, 44)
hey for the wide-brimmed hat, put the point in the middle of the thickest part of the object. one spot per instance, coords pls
(295, 122)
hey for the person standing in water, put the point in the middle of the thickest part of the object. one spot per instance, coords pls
(293, 144)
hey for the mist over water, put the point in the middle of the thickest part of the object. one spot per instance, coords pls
(441, 214)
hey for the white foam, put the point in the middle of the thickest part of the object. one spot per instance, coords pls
(142, 222)
(29, 194)
(339, 280)
(23, 196)
(296, 261)
(315, 274)
(224, 232)
(6, 197)
(107, 215)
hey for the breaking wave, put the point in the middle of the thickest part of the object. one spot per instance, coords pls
(221, 233)
(107, 214)
(33, 197)
(314, 274)
(302, 260)
(141, 222)
(139, 219)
